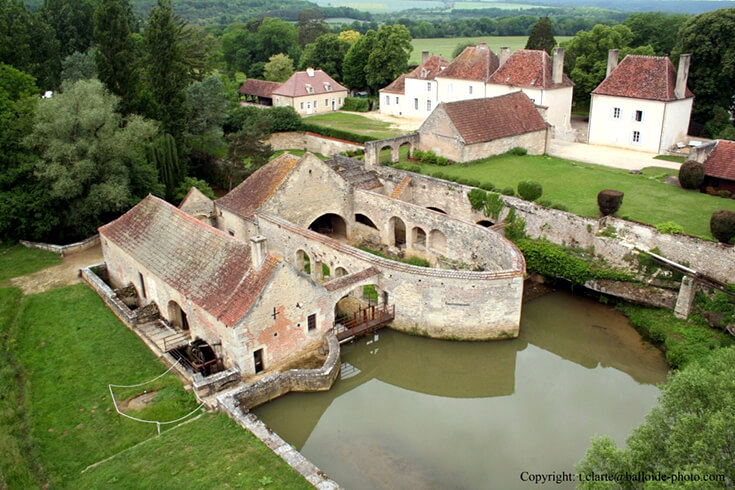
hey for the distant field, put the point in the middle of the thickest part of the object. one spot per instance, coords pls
(445, 46)
(398, 5)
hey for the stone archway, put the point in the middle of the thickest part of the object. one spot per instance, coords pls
(303, 262)
(397, 232)
(418, 238)
(331, 225)
(438, 242)
(177, 317)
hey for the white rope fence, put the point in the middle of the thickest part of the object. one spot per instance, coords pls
(157, 422)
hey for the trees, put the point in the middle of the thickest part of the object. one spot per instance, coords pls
(349, 36)
(311, 25)
(248, 151)
(73, 22)
(389, 56)
(278, 68)
(276, 36)
(656, 29)
(94, 166)
(541, 37)
(326, 53)
(461, 47)
(353, 66)
(708, 37)
(78, 66)
(692, 431)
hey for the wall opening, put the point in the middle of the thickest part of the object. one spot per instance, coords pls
(438, 210)
(438, 241)
(385, 155)
(332, 225)
(361, 218)
(398, 232)
(177, 317)
(303, 263)
(258, 361)
(311, 322)
(340, 271)
(405, 151)
(418, 238)
(486, 223)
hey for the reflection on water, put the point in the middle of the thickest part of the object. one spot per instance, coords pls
(410, 412)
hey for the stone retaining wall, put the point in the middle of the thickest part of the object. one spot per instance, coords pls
(120, 309)
(312, 142)
(64, 249)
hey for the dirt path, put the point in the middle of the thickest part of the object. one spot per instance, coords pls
(606, 155)
(59, 275)
(402, 123)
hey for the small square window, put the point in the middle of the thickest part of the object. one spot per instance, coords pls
(311, 321)
(397, 99)
(387, 100)
(469, 90)
(616, 113)
(428, 86)
(639, 116)
(636, 136)
(302, 105)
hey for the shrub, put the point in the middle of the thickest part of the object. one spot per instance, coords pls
(609, 201)
(463, 181)
(473, 182)
(356, 104)
(559, 206)
(441, 161)
(711, 190)
(725, 194)
(413, 260)
(283, 118)
(722, 225)
(515, 228)
(418, 155)
(439, 175)
(487, 186)
(494, 205)
(508, 191)
(335, 133)
(545, 203)
(415, 169)
(518, 151)
(477, 198)
(429, 157)
(669, 227)
(529, 190)
(691, 174)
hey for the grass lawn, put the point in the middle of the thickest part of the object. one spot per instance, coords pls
(17, 260)
(355, 123)
(62, 348)
(445, 45)
(670, 158)
(576, 185)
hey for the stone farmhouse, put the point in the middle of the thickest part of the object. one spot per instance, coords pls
(643, 103)
(479, 73)
(718, 158)
(279, 269)
(308, 92)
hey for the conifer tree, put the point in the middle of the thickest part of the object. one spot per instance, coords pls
(542, 37)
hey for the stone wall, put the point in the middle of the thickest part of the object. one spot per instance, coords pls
(64, 249)
(312, 142)
(115, 304)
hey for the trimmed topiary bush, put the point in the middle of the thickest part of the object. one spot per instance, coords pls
(609, 201)
(488, 186)
(508, 191)
(691, 174)
(529, 190)
(722, 225)
(463, 181)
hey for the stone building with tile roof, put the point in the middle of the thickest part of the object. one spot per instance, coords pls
(310, 92)
(478, 128)
(414, 94)
(258, 91)
(642, 104)
(718, 158)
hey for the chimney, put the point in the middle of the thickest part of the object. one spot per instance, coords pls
(682, 75)
(612, 61)
(503, 56)
(424, 57)
(258, 250)
(557, 70)
(310, 71)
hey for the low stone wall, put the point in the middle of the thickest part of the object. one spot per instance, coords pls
(120, 309)
(64, 249)
(312, 142)
(274, 385)
(641, 294)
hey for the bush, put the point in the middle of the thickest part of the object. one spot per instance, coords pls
(609, 201)
(669, 227)
(184, 187)
(515, 228)
(473, 182)
(356, 104)
(418, 155)
(283, 118)
(691, 174)
(439, 175)
(725, 194)
(441, 161)
(415, 169)
(494, 205)
(477, 198)
(463, 181)
(335, 133)
(429, 158)
(529, 190)
(559, 206)
(722, 225)
(487, 186)
(711, 190)
(545, 203)
(508, 191)
(518, 151)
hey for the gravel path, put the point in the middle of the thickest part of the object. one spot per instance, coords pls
(59, 275)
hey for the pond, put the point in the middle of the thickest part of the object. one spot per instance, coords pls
(411, 412)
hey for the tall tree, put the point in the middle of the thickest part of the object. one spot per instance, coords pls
(279, 68)
(94, 165)
(353, 66)
(326, 53)
(311, 25)
(115, 57)
(73, 22)
(239, 49)
(657, 29)
(78, 66)
(277, 36)
(709, 39)
(389, 56)
(542, 36)
(208, 106)
(248, 150)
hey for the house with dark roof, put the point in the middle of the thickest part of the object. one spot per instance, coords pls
(258, 91)
(310, 92)
(464, 78)
(718, 158)
(642, 104)
(478, 128)
(233, 295)
(416, 93)
(540, 77)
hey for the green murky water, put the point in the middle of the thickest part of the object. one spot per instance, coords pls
(410, 412)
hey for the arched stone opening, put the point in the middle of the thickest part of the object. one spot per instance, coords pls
(486, 223)
(303, 262)
(405, 150)
(330, 224)
(397, 232)
(177, 316)
(359, 298)
(438, 210)
(418, 238)
(438, 242)
(362, 219)
(340, 271)
(385, 155)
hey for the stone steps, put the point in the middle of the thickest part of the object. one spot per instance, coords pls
(400, 188)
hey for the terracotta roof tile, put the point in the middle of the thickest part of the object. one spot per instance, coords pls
(721, 162)
(642, 77)
(474, 63)
(429, 69)
(528, 68)
(207, 266)
(296, 86)
(479, 120)
(397, 86)
(261, 88)
(247, 197)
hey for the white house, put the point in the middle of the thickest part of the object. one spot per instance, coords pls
(420, 84)
(466, 75)
(643, 103)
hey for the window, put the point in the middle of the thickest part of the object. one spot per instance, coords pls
(316, 103)
(328, 86)
(423, 72)
(339, 100)
(451, 88)
(428, 105)
(302, 106)
(636, 136)
(397, 99)
(326, 102)
(416, 104)
(258, 360)
(428, 86)
(639, 116)
(309, 89)
(230, 232)
(469, 90)
(311, 321)
(616, 113)
(387, 100)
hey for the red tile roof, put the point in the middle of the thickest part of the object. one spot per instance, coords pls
(528, 68)
(260, 88)
(247, 197)
(479, 120)
(296, 86)
(474, 63)
(429, 69)
(721, 162)
(642, 77)
(397, 86)
(207, 266)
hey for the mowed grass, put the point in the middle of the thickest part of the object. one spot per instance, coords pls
(445, 45)
(355, 123)
(576, 185)
(17, 260)
(65, 347)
